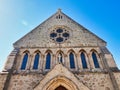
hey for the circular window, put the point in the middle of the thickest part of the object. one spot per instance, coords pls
(59, 35)
(59, 30)
(59, 39)
(65, 35)
(53, 35)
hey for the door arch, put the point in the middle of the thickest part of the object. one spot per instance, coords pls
(60, 82)
(60, 76)
(60, 88)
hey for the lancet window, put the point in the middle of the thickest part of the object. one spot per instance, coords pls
(72, 60)
(48, 61)
(24, 62)
(95, 60)
(36, 61)
(83, 60)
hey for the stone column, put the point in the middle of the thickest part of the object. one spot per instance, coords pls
(43, 62)
(89, 61)
(53, 61)
(79, 62)
(64, 63)
(76, 62)
(29, 63)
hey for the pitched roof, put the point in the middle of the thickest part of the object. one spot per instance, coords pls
(79, 35)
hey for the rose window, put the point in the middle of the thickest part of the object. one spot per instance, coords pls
(59, 35)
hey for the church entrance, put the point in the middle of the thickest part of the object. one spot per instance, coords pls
(60, 88)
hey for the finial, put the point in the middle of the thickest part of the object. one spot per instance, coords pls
(59, 10)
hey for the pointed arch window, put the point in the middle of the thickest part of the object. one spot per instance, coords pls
(48, 61)
(72, 62)
(95, 60)
(83, 59)
(36, 61)
(24, 62)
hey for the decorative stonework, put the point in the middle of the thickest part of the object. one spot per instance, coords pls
(59, 75)
(54, 61)
(59, 36)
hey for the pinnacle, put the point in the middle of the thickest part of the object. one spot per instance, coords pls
(59, 10)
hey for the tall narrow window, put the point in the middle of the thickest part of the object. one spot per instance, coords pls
(96, 64)
(72, 62)
(36, 61)
(24, 62)
(48, 60)
(84, 63)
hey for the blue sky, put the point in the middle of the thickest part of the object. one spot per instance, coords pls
(18, 17)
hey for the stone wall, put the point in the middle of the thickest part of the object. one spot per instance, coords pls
(39, 40)
(117, 77)
(2, 80)
(60, 75)
(24, 82)
(96, 81)
(40, 36)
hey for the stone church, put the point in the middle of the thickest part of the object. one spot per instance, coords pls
(60, 54)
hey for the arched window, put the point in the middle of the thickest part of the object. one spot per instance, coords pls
(24, 62)
(83, 59)
(48, 60)
(72, 62)
(95, 60)
(36, 61)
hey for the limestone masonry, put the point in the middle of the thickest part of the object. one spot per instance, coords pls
(60, 54)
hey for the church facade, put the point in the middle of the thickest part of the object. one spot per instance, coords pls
(60, 54)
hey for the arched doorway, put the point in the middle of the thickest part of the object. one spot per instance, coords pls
(60, 83)
(60, 88)
(60, 76)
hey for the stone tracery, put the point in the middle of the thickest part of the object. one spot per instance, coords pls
(61, 59)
